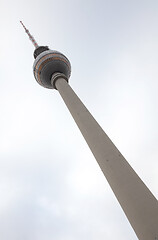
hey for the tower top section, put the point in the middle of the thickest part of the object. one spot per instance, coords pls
(30, 36)
(48, 63)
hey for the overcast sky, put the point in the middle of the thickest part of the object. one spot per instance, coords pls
(50, 184)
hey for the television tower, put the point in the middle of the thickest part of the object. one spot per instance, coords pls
(52, 70)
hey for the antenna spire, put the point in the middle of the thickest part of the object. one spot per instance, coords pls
(30, 36)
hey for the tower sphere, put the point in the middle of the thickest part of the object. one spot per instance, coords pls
(47, 63)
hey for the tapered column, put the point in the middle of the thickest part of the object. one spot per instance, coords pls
(138, 203)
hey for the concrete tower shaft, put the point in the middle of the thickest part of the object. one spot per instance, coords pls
(136, 200)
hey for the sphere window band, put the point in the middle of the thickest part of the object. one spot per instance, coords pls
(48, 63)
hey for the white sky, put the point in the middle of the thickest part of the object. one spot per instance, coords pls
(50, 185)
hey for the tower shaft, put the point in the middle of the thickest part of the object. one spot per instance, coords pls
(138, 203)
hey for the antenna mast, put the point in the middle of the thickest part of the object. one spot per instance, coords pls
(30, 36)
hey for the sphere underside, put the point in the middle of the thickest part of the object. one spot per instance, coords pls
(47, 63)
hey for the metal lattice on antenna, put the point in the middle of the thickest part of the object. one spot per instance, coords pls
(30, 36)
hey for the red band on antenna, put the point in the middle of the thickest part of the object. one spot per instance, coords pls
(30, 36)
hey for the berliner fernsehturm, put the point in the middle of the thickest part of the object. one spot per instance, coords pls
(52, 70)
